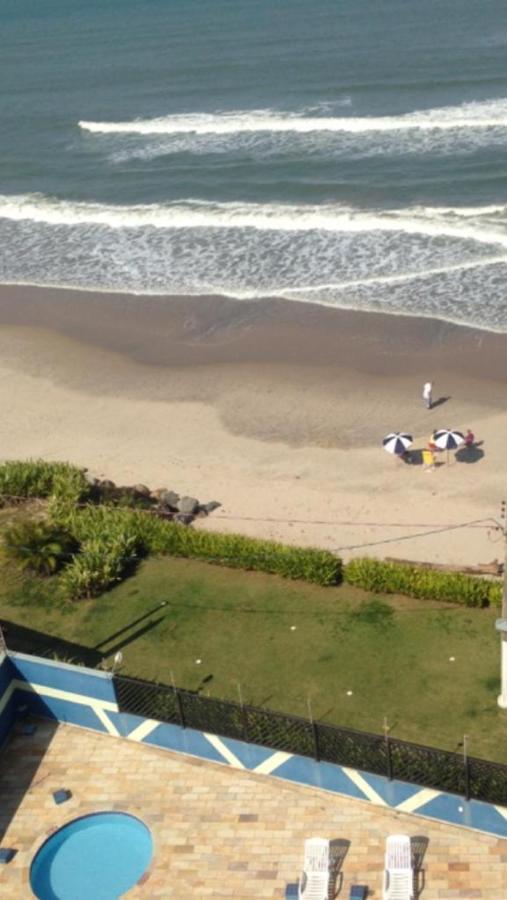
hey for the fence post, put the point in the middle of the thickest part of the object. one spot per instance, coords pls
(388, 750)
(244, 717)
(316, 751)
(467, 780)
(389, 759)
(179, 704)
(315, 731)
(466, 764)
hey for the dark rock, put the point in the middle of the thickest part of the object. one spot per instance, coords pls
(170, 498)
(141, 490)
(188, 505)
(210, 507)
(184, 518)
(107, 485)
(158, 493)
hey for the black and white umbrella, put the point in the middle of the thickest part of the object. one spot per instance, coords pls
(397, 442)
(447, 439)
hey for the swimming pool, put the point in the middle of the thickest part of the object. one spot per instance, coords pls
(100, 856)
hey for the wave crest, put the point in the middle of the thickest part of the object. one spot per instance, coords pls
(486, 114)
(484, 225)
(445, 262)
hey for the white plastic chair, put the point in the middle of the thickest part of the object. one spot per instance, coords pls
(314, 882)
(399, 875)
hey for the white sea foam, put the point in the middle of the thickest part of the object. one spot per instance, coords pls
(429, 221)
(449, 262)
(486, 114)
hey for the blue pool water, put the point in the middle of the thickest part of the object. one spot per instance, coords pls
(99, 856)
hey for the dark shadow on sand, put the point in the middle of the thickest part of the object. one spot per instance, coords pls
(413, 458)
(439, 402)
(471, 454)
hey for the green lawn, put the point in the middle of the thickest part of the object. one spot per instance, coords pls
(282, 643)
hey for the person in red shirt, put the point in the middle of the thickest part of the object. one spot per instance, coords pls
(469, 438)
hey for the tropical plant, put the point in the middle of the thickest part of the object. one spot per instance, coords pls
(98, 566)
(38, 478)
(40, 547)
(151, 535)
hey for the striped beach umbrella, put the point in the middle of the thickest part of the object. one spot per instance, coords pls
(397, 442)
(447, 439)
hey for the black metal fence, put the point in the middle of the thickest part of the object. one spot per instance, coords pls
(442, 770)
(425, 766)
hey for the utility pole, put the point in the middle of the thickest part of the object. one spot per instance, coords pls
(501, 624)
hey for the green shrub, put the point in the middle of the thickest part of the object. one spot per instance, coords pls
(425, 584)
(100, 564)
(152, 535)
(40, 547)
(38, 478)
(236, 551)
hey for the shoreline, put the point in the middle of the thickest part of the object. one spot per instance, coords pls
(56, 289)
(211, 329)
(276, 410)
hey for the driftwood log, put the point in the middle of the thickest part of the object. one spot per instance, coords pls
(491, 568)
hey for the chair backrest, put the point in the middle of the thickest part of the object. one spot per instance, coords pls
(316, 855)
(398, 853)
(427, 456)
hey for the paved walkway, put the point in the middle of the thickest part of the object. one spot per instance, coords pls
(220, 832)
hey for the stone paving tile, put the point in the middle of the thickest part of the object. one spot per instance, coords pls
(219, 832)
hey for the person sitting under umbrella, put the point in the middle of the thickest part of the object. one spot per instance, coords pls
(469, 439)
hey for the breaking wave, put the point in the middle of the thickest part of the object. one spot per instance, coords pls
(445, 262)
(486, 114)
(489, 227)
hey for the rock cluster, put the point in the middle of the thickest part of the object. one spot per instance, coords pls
(162, 502)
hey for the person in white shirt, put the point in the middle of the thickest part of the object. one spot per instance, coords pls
(427, 390)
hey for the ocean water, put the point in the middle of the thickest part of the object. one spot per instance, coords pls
(345, 152)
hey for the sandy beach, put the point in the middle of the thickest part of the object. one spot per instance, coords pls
(275, 409)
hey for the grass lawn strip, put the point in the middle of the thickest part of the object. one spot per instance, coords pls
(284, 642)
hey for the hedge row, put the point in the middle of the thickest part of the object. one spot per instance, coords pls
(38, 478)
(425, 584)
(111, 539)
(150, 535)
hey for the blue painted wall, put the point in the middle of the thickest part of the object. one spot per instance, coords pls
(76, 688)
(64, 677)
(85, 697)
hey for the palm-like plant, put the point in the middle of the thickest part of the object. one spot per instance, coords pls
(39, 547)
